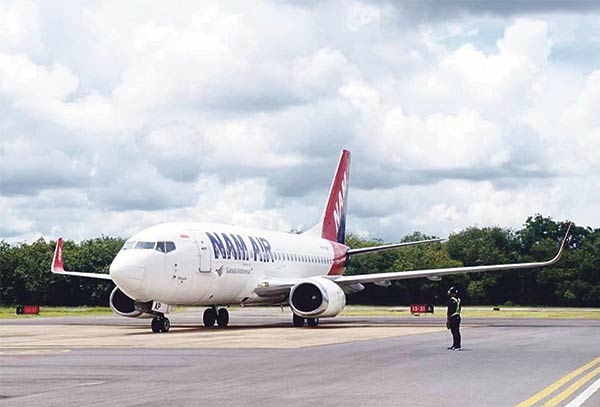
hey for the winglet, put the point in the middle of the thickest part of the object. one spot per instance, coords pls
(564, 243)
(567, 237)
(57, 262)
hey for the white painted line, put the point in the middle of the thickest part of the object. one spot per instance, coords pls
(586, 394)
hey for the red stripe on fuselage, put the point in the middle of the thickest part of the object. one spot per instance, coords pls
(339, 259)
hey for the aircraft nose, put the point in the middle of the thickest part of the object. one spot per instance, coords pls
(127, 277)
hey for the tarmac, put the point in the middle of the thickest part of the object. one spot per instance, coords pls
(261, 360)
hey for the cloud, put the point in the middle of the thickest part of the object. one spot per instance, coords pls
(436, 10)
(27, 169)
(114, 117)
(19, 29)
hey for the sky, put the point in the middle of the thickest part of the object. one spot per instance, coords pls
(116, 116)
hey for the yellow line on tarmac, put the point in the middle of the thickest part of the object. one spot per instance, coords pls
(557, 384)
(571, 389)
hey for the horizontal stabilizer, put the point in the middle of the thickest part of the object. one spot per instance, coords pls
(365, 250)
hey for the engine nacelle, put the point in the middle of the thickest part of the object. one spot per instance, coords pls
(123, 305)
(317, 297)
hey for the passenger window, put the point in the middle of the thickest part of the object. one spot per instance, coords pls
(160, 246)
(169, 246)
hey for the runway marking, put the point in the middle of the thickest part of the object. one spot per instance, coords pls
(587, 393)
(561, 382)
(29, 352)
(572, 389)
(20, 338)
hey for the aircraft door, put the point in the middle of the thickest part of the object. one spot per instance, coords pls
(205, 256)
(189, 257)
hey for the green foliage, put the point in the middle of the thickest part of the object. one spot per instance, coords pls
(25, 276)
(575, 281)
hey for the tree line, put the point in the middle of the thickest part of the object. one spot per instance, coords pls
(25, 276)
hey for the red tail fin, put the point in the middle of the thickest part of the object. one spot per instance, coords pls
(333, 222)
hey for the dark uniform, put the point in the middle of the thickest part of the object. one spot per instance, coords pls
(453, 321)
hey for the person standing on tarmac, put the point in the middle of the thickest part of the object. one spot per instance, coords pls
(453, 317)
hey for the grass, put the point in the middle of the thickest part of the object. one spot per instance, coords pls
(481, 312)
(9, 312)
(357, 310)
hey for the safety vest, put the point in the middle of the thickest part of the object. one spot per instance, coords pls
(457, 312)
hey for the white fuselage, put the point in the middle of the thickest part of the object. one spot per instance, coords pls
(208, 264)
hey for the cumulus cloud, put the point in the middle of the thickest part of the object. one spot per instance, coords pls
(114, 117)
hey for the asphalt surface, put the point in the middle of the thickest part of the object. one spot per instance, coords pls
(504, 362)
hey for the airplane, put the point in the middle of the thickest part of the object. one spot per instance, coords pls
(215, 265)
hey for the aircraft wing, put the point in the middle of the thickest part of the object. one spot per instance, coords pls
(277, 287)
(365, 250)
(59, 268)
(437, 273)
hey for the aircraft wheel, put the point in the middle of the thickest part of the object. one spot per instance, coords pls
(209, 317)
(223, 317)
(298, 321)
(165, 325)
(155, 325)
(312, 321)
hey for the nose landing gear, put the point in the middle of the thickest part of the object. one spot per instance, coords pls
(160, 323)
(211, 315)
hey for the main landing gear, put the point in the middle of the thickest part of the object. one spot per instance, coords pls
(212, 315)
(299, 321)
(160, 323)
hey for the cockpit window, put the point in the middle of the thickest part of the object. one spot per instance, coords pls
(128, 246)
(145, 245)
(165, 247)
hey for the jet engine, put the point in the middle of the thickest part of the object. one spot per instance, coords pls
(317, 297)
(123, 305)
